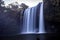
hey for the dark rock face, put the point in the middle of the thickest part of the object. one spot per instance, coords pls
(8, 23)
(52, 15)
(52, 10)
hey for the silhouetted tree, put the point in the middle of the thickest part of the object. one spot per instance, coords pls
(1, 3)
(24, 6)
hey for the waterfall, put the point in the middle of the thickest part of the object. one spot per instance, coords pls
(29, 21)
(41, 22)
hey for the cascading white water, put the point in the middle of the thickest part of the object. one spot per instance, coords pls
(29, 20)
(41, 22)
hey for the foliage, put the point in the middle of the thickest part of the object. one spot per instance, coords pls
(10, 18)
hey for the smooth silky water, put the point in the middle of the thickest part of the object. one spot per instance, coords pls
(29, 24)
(41, 20)
(29, 21)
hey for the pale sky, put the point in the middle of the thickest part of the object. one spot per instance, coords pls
(30, 3)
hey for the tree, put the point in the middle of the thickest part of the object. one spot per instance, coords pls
(13, 6)
(1, 3)
(24, 6)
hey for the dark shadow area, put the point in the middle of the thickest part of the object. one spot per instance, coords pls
(47, 36)
(52, 16)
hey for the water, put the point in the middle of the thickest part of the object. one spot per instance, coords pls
(41, 22)
(29, 21)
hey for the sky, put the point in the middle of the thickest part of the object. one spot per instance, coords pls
(30, 3)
